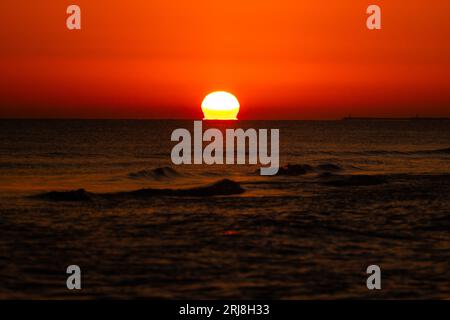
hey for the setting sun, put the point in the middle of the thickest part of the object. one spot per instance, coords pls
(220, 105)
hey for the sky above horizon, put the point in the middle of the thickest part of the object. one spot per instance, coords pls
(284, 59)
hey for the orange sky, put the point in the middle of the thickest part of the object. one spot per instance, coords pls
(283, 59)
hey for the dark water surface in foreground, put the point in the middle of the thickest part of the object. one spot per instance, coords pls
(289, 236)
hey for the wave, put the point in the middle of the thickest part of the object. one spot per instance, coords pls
(329, 167)
(329, 174)
(223, 187)
(295, 170)
(436, 151)
(157, 174)
(57, 154)
(442, 151)
(302, 169)
(352, 180)
(407, 153)
(348, 180)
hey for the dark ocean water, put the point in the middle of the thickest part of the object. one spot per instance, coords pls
(372, 192)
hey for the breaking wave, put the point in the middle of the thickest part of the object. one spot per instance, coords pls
(302, 169)
(156, 174)
(221, 188)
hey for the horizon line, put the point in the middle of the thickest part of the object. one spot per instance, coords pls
(347, 118)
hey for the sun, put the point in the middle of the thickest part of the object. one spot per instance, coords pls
(220, 105)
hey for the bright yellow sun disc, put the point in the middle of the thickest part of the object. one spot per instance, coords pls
(220, 105)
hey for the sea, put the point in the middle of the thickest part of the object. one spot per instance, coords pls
(104, 195)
